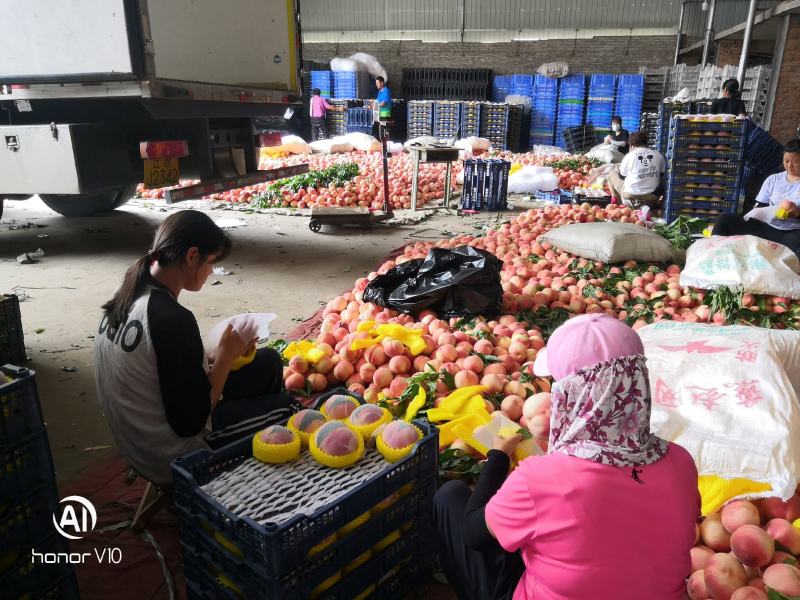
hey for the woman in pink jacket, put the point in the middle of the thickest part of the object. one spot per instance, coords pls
(608, 514)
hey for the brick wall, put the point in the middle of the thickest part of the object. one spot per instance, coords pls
(729, 52)
(786, 112)
(598, 55)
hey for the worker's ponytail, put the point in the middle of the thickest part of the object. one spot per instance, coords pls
(732, 87)
(174, 237)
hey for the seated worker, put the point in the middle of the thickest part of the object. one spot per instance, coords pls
(619, 136)
(731, 101)
(155, 383)
(775, 190)
(543, 531)
(637, 180)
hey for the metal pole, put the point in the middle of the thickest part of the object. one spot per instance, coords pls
(775, 72)
(748, 32)
(680, 33)
(709, 32)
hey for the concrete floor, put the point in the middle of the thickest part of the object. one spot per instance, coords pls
(278, 266)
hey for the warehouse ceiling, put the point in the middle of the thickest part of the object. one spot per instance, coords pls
(508, 20)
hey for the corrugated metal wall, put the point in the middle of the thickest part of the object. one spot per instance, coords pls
(513, 15)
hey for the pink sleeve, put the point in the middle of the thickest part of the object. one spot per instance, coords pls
(510, 514)
(327, 106)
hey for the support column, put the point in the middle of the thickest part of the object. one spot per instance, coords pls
(784, 117)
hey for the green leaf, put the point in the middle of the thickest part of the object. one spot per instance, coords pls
(486, 358)
(449, 380)
(773, 594)
(525, 433)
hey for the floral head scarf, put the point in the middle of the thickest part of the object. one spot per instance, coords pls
(602, 413)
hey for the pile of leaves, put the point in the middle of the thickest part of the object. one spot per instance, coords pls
(337, 175)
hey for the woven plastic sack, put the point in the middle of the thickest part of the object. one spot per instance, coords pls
(756, 265)
(363, 142)
(423, 140)
(334, 146)
(554, 70)
(605, 153)
(745, 421)
(529, 180)
(370, 64)
(612, 242)
(549, 150)
(344, 64)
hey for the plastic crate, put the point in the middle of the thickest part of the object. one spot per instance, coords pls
(29, 516)
(280, 548)
(25, 465)
(730, 180)
(200, 545)
(20, 575)
(390, 574)
(764, 154)
(554, 197)
(680, 165)
(680, 125)
(485, 184)
(12, 340)
(20, 413)
(732, 154)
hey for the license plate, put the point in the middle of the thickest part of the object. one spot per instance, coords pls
(160, 172)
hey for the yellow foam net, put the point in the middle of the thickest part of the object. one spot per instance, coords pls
(276, 453)
(306, 349)
(336, 462)
(395, 454)
(411, 338)
(716, 491)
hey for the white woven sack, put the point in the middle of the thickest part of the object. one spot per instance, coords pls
(754, 264)
(742, 422)
(334, 146)
(611, 242)
(363, 142)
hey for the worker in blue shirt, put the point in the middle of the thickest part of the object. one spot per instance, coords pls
(381, 107)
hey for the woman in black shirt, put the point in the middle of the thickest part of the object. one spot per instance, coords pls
(619, 136)
(730, 103)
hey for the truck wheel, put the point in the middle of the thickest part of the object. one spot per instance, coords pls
(87, 205)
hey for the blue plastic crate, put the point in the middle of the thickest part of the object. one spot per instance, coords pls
(280, 548)
(764, 154)
(20, 413)
(25, 465)
(28, 517)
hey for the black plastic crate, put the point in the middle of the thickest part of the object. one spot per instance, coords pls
(25, 465)
(485, 184)
(12, 340)
(20, 413)
(19, 575)
(203, 545)
(28, 517)
(280, 548)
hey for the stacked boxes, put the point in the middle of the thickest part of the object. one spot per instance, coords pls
(358, 532)
(600, 106)
(683, 76)
(446, 119)
(494, 124)
(522, 85)
(12, 340)
(351, 85)
(705, 167)
(28, 495)
(518, 122)
(579, 138)
(470, 119)
(323, 81)
(630, 91)
(420, 118)
(501, 87)
(754, 91)
(649, 124)
(710, 80)
(655, 87)
(335, 120)
(544, 106)
(453, 84)
(764, 154)
(666, 110)
(359, 120)
(571, 94)
(485, 184)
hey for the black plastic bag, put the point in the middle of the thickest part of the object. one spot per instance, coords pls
(460, 282)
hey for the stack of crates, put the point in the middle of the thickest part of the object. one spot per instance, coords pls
(501, 87)
(519, 121)
(705, 167)
(655, 87)
(580, 138)
(446, 119)
(470, 119)
(485, 184)
(649, 124)
(351, 85)
(683, 76)
(453, 84)
(764, 153)
(630, 92)
(29, 497)
(571, 95)
(323, 81)
(12, 339)
(420, 118)
(666, 110)
(361, 532)
(522, 85)
(335, 120)
(494, 124)
(544, 106)
(600, 106)
(754, 91)
(359, 120)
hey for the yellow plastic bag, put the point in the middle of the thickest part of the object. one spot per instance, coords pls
(306, 349)
(410, 338)
(716, 491)
(447, 433)
(417, 403)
